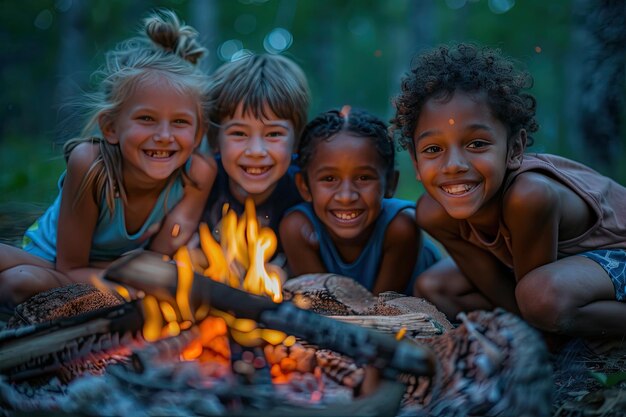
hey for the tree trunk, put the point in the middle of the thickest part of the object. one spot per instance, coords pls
(204, 17)
(73, 75)
(600, 42)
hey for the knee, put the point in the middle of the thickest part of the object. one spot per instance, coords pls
(428, 286)
(542, 304)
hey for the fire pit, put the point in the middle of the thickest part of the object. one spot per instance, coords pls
(209, 334)
(46, 368)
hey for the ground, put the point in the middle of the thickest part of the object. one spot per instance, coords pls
(578, 393)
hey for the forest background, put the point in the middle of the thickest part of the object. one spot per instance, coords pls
(353, 51)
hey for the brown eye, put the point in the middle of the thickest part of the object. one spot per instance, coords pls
(432, 149)
(478, 144)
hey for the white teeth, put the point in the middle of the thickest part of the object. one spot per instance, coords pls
(346, 215)
(159, 154)
(256, 170)
(457, 188)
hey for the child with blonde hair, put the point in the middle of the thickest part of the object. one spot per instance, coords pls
(123, 185)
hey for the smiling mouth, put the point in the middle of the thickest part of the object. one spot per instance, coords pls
(255, 170)
(159, 154)
(458, 189)
(346, 214)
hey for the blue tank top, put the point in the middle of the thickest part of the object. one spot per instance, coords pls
(110, 238)
(365, 268)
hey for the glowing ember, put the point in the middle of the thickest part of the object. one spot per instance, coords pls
(401, 333)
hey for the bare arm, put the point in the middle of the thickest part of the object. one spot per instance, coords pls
(490, 276)
(182, 222)
(400, 254)
(77, 218)
(532, 212)
(301, 249)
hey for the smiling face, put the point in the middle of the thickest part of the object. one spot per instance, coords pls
(157, 128)
(345, 183)
(462, 153)
(256, 153)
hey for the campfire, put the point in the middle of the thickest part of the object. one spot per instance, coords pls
(240, 260)
(218, 308)
(208, 333)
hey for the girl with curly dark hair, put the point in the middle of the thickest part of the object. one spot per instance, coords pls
(347, 179)
(537, 234)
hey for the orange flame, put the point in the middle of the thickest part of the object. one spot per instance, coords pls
(244, 247)
(262, 245)
(241, 260)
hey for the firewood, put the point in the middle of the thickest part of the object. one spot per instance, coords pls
(416, 324)
(62, 302)
(328, 294)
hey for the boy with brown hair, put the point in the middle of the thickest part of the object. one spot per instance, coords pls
(259, 108)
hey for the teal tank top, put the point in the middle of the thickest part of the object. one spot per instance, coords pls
(110, 238)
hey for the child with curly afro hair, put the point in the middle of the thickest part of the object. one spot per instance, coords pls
(537, 234)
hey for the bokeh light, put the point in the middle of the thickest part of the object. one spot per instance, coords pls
(277, 41)
(44, 20)
(501, 6)
(229, 48)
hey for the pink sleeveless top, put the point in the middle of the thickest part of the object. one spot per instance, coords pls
(603, 195)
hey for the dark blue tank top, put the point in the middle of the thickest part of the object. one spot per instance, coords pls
(366, 267)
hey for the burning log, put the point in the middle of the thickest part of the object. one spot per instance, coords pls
(50, 347)
(148, 272)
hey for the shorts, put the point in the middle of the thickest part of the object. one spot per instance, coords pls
(613, 261)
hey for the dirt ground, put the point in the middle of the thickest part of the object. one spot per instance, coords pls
(577, 392)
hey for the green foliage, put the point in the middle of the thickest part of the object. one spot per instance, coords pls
(353, 51)
(30, 170)
(609, 380)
